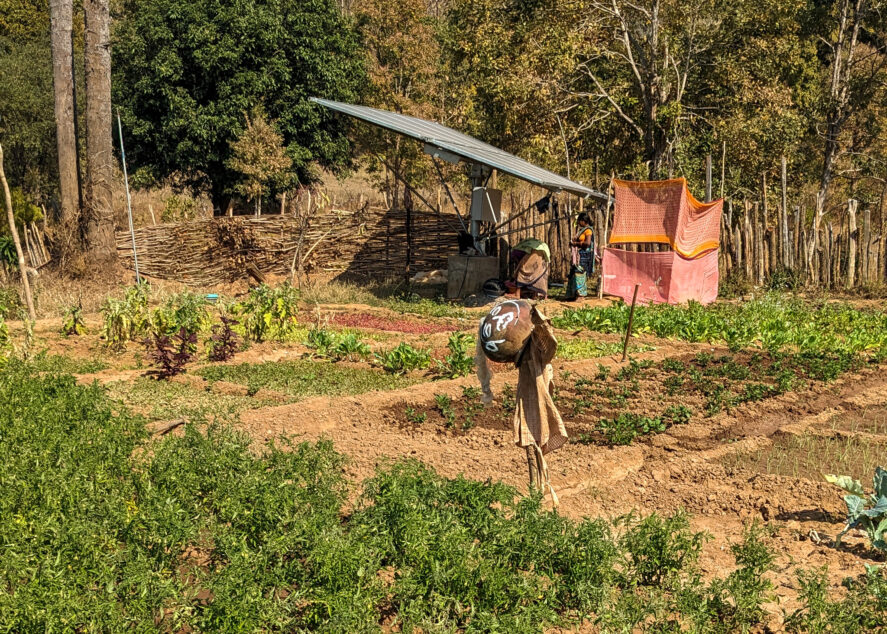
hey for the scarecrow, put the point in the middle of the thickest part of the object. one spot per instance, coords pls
(515, 331)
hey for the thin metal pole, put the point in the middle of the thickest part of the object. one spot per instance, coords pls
(132, 233)
(634, 300)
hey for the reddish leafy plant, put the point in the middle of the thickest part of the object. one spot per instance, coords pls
(366, 320)
(223, 342)
(171, 353)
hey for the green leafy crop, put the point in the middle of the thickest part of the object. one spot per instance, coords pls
(269, 313)
(868, 513)
(404, 358)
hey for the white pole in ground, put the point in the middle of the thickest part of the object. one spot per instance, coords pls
(132, 233)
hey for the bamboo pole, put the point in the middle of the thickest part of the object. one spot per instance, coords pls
(634, 299)
(852, 235)
(783, 217)
(10, 216)
(866, 245)
(600, 290)
(708, 178)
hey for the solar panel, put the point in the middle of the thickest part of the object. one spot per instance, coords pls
(466, 147)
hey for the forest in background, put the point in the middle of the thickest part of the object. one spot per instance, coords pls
(213, 95)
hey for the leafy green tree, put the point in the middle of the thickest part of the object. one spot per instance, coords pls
(403, 61)
(259, 156)
(185, 72)
(27, 124)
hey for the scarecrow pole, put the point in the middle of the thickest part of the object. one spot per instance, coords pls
(18, 245)
(634, 299)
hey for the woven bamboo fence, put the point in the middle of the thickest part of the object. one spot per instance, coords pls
(845, 252)
(368, 242)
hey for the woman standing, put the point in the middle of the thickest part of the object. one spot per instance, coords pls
(584, 244)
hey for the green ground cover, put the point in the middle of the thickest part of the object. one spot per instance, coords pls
(105, 529)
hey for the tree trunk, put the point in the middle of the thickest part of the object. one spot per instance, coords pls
(99, 156)
(60, 12)
(10, 216)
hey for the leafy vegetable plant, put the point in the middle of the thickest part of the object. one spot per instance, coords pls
(336, 346)
(269, 312)
(458, 361)
(171, 353)
(404, 358)
(72, 322)
(868, 513)
(126, 319)
(223, 342)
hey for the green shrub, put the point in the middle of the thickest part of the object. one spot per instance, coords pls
(184, 310)
(404, 358)
(475, 556)
(11, 304)
(269, 313)
(862, 609)
(657, 549)
(734, 284)
(126, 319)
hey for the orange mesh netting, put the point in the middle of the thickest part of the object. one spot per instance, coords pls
(665, 212)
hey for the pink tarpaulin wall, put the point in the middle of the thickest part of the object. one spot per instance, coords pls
(664, 277)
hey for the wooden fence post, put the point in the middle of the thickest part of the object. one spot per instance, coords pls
(798, 259)
(783, 219)
(866, 245)
(852, 235)
(708, 178)
(22, 267)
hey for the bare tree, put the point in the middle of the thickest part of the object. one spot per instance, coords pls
(60, 13)
(99, 157)
(840, 101)
(660, 46)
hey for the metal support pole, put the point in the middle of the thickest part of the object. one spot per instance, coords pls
(634, 300)
(132, 233)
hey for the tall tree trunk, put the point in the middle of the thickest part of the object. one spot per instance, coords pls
(60, 14)
(99, 156)
(839, 104)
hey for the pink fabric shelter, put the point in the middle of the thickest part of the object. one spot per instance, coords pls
(664, 277)
(663, 212)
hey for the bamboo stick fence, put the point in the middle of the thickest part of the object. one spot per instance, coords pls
(757, 241)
